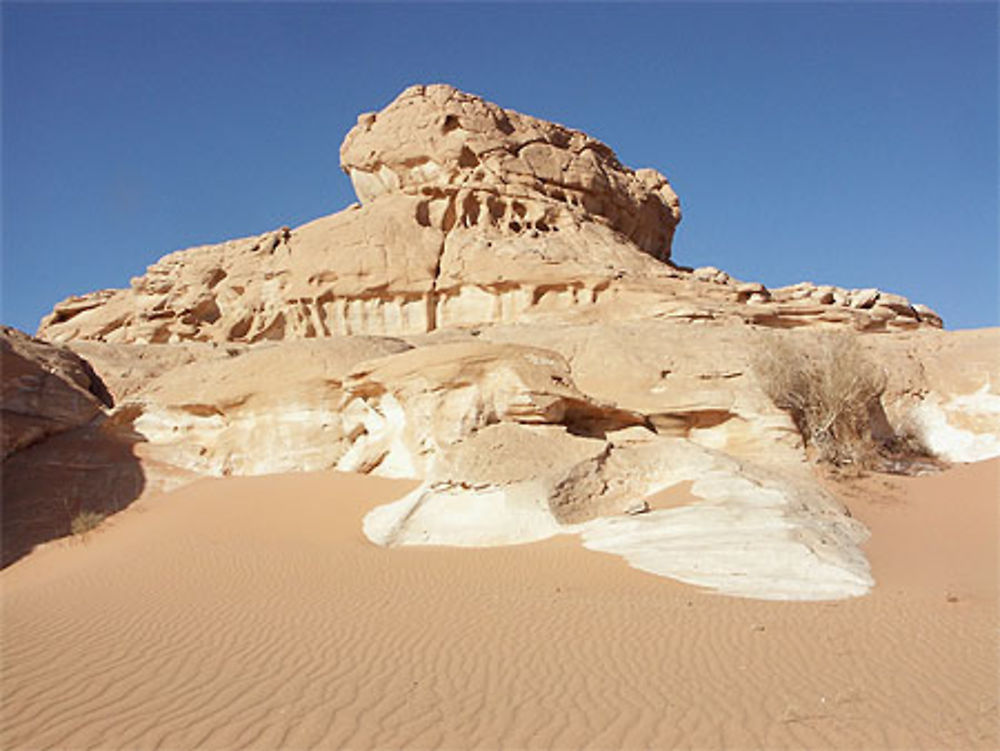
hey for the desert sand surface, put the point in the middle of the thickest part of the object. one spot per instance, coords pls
(253, 613)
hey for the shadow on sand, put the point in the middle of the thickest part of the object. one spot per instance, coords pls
(45, 486)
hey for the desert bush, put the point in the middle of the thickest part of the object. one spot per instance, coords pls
(831, 389)
(905, 449)
(84, 522)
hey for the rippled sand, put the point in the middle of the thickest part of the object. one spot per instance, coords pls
(252, 613)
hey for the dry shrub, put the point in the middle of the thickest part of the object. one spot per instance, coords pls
(904, 450)
(830, 388)
(84, 522)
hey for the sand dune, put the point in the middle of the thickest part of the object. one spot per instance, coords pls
(252, 613)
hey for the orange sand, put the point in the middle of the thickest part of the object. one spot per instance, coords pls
(251, 612)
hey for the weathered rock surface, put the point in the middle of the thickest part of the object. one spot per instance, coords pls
(944, 389)
(473, 164)
(500, 318)
(378, 405)
(472, 217)
(44, 390)
(471, 214)
(90, 468)
(262, 410)
(59, 456)
(405, 408)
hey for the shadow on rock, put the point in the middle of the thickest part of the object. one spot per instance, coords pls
(46, 486)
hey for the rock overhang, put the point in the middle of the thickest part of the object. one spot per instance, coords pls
(475, 163)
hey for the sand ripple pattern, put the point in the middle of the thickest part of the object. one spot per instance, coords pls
(251, 613)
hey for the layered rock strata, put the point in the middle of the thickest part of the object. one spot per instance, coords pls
(473, 164)
(61, 457)
(499, 318)
(470, 215)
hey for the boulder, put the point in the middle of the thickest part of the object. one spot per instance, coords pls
(44, 390)
(926, 315)
(472, 163)
(61, 457)
(402, 411)
(863, 298)
(754, 292)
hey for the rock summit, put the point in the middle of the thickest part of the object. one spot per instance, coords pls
(470, 214)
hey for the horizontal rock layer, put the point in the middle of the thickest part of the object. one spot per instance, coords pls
(471, 215)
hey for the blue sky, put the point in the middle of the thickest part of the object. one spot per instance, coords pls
(852, 144)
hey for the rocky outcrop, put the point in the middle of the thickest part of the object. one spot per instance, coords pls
(510, 448)
(60, 456)
(228, 294)
(869, 309)
(404, 409)
(750, 533)
(44, 390)
(475, 165)
(336, 275)
(500, 318)
(470, 215)
(262, 410)
(944, 390)
(379, 406)
(808, 304)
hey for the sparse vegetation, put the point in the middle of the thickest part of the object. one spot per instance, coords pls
(84, 522)
(831, 389)
(906, 445)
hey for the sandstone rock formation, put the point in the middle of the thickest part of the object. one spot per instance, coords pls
(471, 214)
(472, 163)
(261, 410)
(59, 456)
(45, 390)
(435, 396)
(500, 319)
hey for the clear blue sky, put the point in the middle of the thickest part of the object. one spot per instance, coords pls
(852, 144)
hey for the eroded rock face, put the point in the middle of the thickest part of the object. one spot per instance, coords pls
(471, 215)
(45, 390)
(500, 415)
(351, 273)
(60, 456)
(262, 410)
(498, 318)
(474, 164)
(403, 411)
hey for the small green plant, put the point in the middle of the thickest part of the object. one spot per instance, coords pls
(84, 522)
(829, 387)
